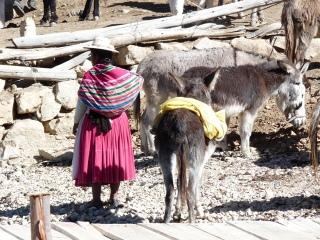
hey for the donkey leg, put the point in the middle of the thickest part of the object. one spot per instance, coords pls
(176, 6)
(246, 123)
(192, 193)
(166, 167)
(147, 139)
(223, 145)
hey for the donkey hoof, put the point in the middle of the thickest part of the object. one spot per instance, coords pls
(177, 217)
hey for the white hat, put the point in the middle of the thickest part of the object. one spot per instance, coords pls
(102, 43)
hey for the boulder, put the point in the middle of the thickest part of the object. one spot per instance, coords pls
(60, 126)
(6, 107)
(2, 132)
(172, 46)
(311, 53)
(256, 46)
(49, 108)
(29, 99)
(24, 137)
(131, 55)
(66, 94)
(52, 154)
(2, 84)
(206, 43)
(80, 70)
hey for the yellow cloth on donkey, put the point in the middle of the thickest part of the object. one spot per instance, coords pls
(214, 123)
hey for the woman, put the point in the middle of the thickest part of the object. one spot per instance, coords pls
(103, 149)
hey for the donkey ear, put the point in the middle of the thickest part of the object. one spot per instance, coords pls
(286, 66)
(304, 67)
(178, 81)
(211, 79)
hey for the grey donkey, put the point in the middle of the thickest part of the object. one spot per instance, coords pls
(181, 144)
(158, 87)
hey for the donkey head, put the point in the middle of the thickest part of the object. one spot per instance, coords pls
(194, 87)
(290, 98)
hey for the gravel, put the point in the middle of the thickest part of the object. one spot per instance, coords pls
(271, 185)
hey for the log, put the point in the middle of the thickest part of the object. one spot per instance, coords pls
(37, 74)
(40, 217)
(73, 62)
(122, 40)
(265, 30)
(40, 53)
(58, 39)
(2, 14)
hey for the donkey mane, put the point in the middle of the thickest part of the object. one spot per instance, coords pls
(300, 21)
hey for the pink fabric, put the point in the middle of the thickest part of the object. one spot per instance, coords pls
(105, 158)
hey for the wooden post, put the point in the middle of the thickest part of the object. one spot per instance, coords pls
(40, 217)
(2, 14)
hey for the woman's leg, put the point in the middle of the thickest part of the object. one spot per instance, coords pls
(96, 195)
(53, 9)
(96, 12)
(86, 10)
(114, 188)
(46, 8)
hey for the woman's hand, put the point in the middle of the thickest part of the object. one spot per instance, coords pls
(75, 128)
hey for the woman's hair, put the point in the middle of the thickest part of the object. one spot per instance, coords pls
(102, 56)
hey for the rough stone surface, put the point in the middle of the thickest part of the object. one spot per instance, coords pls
(26, 136)
(49, 108)
(6, 107)
(131, 55)
(205, 43)
(66, 94)
(171, 46)
(29, 99)
(2, 84)
(256, 46)
(60, 126)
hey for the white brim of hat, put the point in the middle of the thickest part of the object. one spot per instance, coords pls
(100, 48)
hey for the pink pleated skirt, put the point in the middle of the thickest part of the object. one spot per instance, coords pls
(105, 158)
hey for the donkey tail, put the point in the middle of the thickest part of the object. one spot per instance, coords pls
(287, 23)
(136, 110)
(313, 137)
(183, 173)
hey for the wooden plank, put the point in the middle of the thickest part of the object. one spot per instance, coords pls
(19, 231)
(74, 231)
(73, 62)
(37, 74)
(225, 231)
(23, 232)
(303, 225)
(128, 231)
(5, 235)
(92, 230)
(55, 39)
(271, 230)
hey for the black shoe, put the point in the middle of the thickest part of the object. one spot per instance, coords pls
(44, 21)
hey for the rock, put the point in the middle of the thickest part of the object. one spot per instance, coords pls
(66, 94)
(312, 51)
(6, 107)
(56, 154)
(2, 84)
(2, 132)
(171, 46)
(205, 43)
(62, 125)
(26, 135)
(49, 108)
(131, 55)
(29, 99)
(256, 46)
(8, 150)
(80, 70)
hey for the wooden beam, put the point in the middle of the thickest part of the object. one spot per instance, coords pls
(73, 62)
(40, 217)
(2, 14)
(58, 39)
(40, 53)
(37, 74)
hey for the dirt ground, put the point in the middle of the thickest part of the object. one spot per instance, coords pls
(270, 128)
